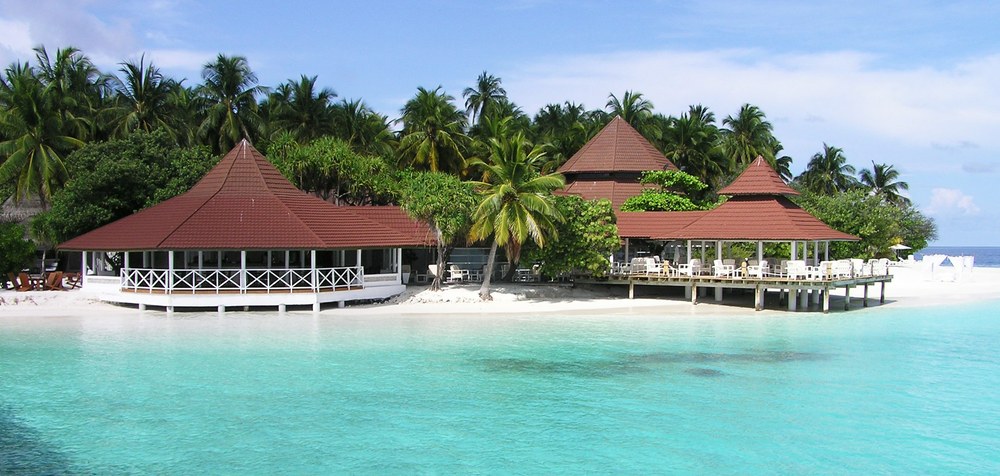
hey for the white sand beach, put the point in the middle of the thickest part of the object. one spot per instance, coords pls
(911, 287)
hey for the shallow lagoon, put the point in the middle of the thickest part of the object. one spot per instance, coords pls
(876, 390)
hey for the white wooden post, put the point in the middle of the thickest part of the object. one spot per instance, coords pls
(243, 271)
(688, 251)
(760, 252)
(626, 252)
(315, 277)
(794, 250)
(826, 253)
(170, 275)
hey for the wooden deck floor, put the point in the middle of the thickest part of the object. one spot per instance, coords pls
(820, 288)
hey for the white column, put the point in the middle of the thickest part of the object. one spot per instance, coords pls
(126, 261)
(201, 260)
(399, 264)
(826, 253)
(760, 252)
(315, 280)
(792, 298)
(703, 252)
(243, 271)
(688, 251)
(816, 253)
(626, 251)
(795, 250)
(83, 270)
(170, 275)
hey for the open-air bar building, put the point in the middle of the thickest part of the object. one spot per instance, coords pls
(245, 236)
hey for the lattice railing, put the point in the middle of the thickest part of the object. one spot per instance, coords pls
(241, 281)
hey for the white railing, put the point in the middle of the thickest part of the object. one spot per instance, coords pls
(241, 281)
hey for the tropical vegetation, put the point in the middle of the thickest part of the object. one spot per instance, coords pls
(94, 145)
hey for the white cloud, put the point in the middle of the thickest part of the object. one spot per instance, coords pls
(182, 60)
(945, 201)
(851, 91)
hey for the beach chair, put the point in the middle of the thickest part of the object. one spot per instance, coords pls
(723, 270)
(73, 280)
(457, 274)
(54, 282)
(691, 268)
(12, 280)
(26, 283)
(757, 269)
(797, 269)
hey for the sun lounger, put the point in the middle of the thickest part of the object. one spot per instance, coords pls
(26, 283)
(73, 280)
(54, 281)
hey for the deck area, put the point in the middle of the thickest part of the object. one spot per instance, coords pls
(803, 289)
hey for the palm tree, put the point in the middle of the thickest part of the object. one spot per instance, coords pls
(143, 98)
(367, 131)
(782, 163)
(691, 143)
(299, 108)
(34, 134)
(883, 179)
(747, 136)
(517, 203)
(432, 132)
(480, 101)
(635, 110)
(75, 85)
(230, 91)
(828, 172)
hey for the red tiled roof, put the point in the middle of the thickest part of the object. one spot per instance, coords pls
(654, 225)
(615, 189)
(768, 218)
(245, 203)
(617, 148)
(758, 179)
(396, 218)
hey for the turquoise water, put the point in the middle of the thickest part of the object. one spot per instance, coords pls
(866, 391)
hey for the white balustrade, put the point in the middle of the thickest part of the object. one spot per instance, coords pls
(233, 281)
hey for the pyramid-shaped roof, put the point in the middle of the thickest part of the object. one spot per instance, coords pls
(615, 189)
(244, 203)
(763, 218)
(617, 148)
(758, 179)
(758, 210)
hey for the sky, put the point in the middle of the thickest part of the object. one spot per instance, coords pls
(912, 84)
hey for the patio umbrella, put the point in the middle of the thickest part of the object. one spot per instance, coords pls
(899, 247)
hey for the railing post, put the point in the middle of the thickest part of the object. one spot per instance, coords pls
(243, 271)
(312, 271)
(170, 272)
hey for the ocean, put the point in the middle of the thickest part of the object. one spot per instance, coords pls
(869, 391)
(986, 256)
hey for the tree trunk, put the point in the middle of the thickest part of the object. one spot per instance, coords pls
(484, 290)
(436, 284)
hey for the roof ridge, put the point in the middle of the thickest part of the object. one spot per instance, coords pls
(208, 198)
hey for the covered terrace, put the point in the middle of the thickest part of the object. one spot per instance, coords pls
(245, 236)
